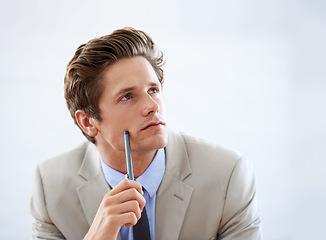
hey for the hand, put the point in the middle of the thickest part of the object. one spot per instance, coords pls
(122, 205)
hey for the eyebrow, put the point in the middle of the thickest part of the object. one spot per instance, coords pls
(129, 89)
(124, 90)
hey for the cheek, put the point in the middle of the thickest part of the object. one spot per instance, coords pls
(112, 131)
(115, 138)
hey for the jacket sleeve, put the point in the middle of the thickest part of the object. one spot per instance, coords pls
(241, 214)
(42, 226)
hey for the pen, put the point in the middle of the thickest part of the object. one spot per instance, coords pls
(130, 174)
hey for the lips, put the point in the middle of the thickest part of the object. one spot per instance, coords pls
(153, 124)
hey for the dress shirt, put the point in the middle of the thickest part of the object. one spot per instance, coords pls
(150, 180)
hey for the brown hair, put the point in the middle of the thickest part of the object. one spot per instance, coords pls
(82, 81)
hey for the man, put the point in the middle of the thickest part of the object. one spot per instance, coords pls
(186, 188)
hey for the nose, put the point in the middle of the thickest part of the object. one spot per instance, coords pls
(150, 106)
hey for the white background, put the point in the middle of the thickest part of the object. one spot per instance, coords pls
(248, 74)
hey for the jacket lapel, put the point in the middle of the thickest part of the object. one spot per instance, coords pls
(94, 188)
(173, 195)
(92, 191)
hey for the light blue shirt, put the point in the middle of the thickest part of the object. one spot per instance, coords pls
(150, 180)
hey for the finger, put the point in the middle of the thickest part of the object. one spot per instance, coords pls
(125, 196)
(126, 184)
(130, 194)
(126, 207)
(131, 206)
(128, 219)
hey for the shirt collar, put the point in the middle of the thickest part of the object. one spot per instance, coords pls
(150, 179)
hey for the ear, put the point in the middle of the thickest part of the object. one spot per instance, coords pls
(86, 123)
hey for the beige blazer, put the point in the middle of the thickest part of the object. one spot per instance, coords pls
(207, 192)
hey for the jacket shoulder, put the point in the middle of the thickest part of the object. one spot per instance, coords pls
(207, 150)
(69, 159)
(55, 204)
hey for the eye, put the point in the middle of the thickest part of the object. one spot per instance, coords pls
(126, 97)
(153, 90)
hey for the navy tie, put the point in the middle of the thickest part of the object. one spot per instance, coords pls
(141, 229)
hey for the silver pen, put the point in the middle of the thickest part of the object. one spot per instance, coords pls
(130, 173)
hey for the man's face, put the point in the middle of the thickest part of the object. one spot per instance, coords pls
(131, 100)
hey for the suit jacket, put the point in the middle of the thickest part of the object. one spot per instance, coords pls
(207, 192)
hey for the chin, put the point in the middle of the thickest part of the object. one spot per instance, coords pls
(161, 144)
(155, 142)
(162, 139)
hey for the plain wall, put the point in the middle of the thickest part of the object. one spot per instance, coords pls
(243, 73)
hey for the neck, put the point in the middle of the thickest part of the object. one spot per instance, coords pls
(117, 160)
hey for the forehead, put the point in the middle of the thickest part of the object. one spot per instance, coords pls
(129, 71)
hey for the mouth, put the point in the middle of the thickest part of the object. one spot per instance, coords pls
(153, 125)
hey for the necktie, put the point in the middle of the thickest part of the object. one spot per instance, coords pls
(141, 229)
